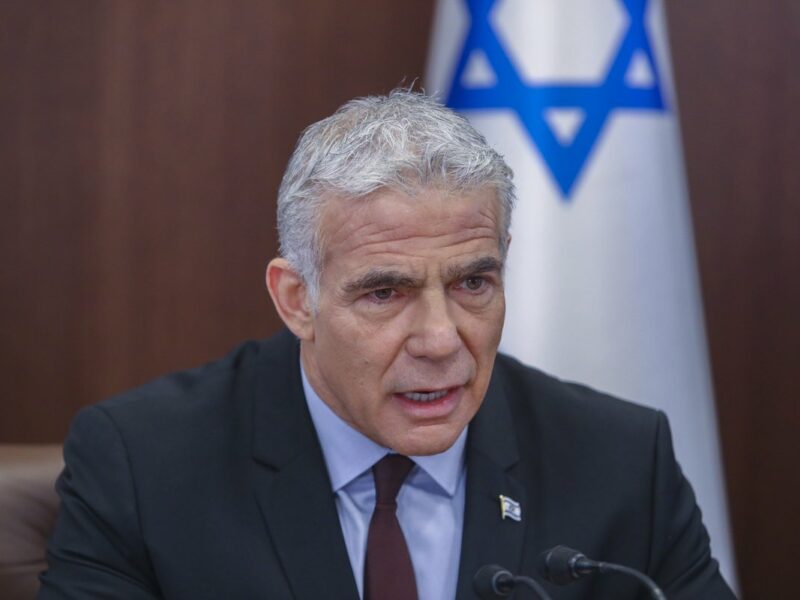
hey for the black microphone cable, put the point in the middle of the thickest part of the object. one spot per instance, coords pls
(562, 565)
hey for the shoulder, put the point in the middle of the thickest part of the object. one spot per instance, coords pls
(185, 416)
(580, 437)
(190, 392)
(533, 394)
(604, 478)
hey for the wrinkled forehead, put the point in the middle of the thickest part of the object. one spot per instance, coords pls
(431, 232)
(356, 215)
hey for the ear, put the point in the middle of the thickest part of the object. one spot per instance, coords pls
(290, 296)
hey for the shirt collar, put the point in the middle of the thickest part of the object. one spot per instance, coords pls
(348, 452)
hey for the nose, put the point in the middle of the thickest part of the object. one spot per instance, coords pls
(434, 333)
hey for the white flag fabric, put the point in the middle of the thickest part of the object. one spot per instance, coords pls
(601, 279)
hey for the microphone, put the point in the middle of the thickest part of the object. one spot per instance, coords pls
(562, 565)
(493, 581)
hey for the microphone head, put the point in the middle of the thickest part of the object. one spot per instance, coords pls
(557, 565)
(493, 581)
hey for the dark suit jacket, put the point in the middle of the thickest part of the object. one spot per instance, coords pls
(211, 484)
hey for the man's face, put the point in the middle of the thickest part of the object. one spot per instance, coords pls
(409, 316)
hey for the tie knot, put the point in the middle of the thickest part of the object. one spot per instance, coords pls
(389, 473)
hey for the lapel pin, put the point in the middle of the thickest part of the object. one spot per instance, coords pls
(510, 508)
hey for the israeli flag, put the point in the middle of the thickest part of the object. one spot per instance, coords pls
(601, 281)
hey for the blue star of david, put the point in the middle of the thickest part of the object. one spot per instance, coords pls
(565, 160)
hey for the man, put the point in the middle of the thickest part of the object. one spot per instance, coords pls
(257, 476)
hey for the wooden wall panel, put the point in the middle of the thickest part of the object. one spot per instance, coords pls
(141, 150)
(739, 91)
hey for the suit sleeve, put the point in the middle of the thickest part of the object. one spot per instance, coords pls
(97, 549)
(681, 561)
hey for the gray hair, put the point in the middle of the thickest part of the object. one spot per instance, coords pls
(405, 141)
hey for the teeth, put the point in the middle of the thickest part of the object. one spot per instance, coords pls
(419, 397)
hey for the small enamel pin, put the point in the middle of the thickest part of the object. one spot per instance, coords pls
(510, 508)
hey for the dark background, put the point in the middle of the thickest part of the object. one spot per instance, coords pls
(141, 147)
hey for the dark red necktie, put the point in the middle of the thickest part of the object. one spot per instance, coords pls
(388, 573)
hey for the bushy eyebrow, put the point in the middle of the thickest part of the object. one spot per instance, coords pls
(486, 264)
(378, 279)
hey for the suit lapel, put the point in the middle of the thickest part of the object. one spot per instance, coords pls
(492, 454)
(294, 493)
(292, 484)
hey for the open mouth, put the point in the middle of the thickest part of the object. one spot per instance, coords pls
(426, 396)
(430, 403)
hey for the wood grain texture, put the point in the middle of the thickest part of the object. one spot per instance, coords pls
(142, 148)
(739, 88)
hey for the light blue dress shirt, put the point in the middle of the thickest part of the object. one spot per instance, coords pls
(430, 505)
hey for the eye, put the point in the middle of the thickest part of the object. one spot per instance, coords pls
(474, 283)
(381, 295)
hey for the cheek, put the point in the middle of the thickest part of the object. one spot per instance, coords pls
(361, 353)
(483, 330)
(375, 337)
(482, 337)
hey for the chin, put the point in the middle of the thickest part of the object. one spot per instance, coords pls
(425, 443)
